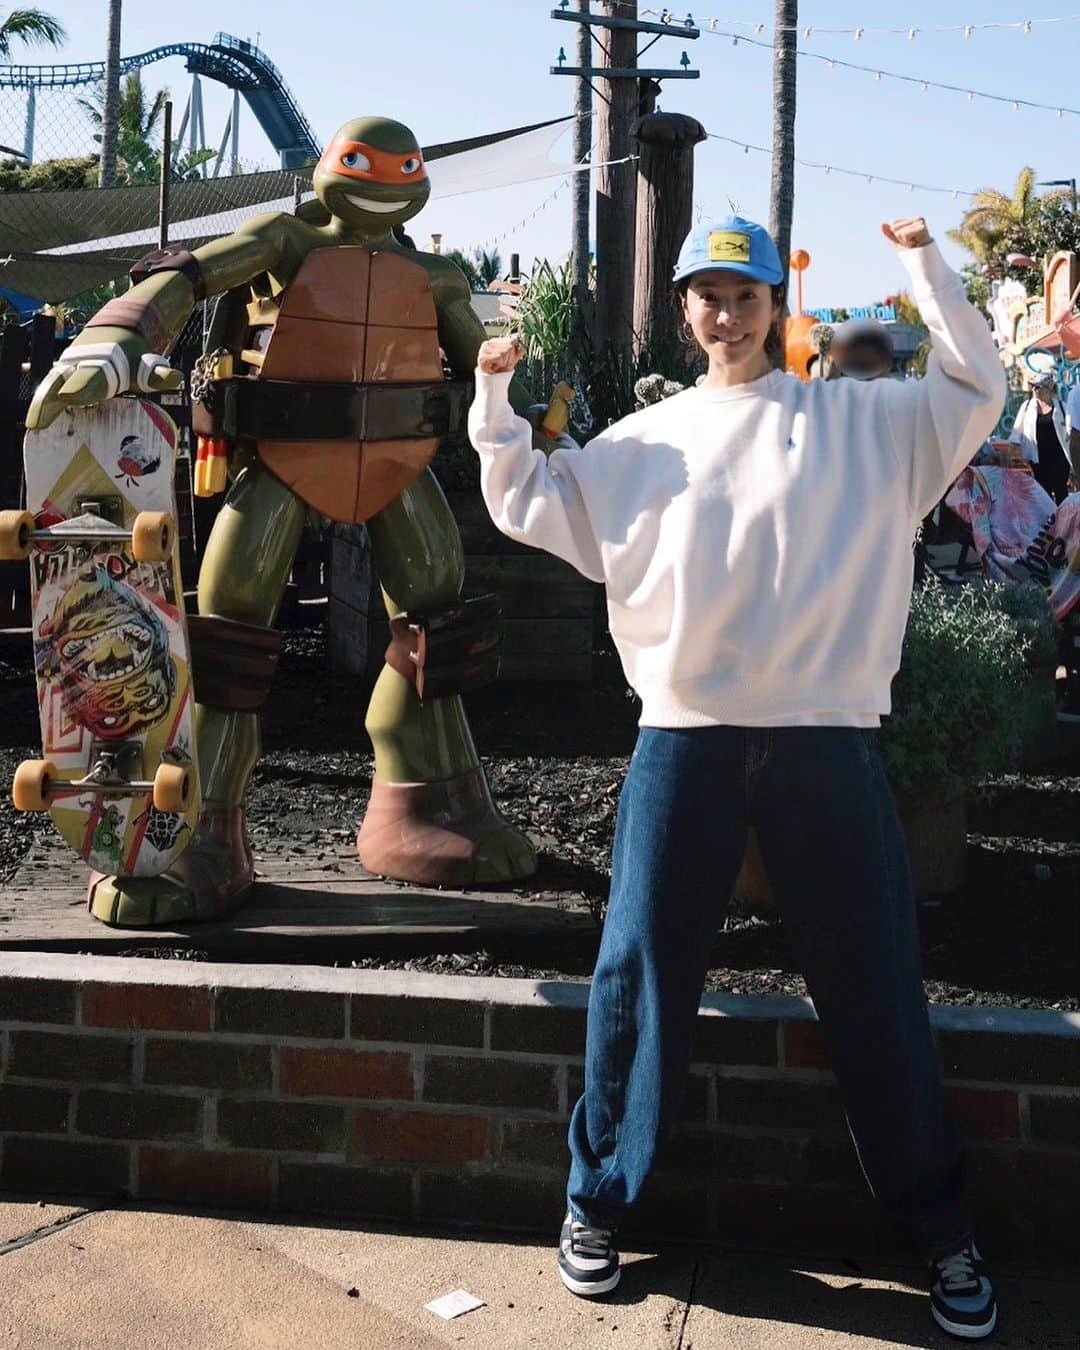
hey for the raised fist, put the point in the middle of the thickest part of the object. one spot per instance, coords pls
(907, 232)
(499, 355)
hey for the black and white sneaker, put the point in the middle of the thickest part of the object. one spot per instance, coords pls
(961, 1297)
(588, 1261)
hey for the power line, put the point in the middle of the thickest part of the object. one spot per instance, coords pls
(925, 85)
(910, 31)
(506, 234)
(747, 146)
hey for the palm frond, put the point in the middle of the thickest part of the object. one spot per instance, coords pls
(32, 27)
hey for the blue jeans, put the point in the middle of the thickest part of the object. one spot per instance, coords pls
(837, 860)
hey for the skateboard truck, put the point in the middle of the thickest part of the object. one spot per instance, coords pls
(151, 534)
(37, 783)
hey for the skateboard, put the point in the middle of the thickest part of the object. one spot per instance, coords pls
(111, 655)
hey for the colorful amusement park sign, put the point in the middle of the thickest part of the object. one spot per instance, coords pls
(883, 313)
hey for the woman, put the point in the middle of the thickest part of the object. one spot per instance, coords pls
(1040, 432)
(754, 535)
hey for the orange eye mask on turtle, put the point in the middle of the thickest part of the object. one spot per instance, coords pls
(368, 164)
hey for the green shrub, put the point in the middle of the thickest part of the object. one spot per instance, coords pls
(1026, 603)
(955, 696)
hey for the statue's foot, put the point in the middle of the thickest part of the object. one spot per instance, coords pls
(209, 880)
(441, 834)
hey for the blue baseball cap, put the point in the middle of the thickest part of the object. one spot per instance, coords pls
(734, 244)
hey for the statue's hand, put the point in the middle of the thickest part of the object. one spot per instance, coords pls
(90, 371)
(499, 355)
(534, 414)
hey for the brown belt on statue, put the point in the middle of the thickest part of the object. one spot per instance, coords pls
(288, 410)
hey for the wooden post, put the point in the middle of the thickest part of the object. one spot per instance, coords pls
(166, 174)
(665, 196)
(616, 185)
(579, 248)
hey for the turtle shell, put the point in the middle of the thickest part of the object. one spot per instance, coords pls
(353, 315)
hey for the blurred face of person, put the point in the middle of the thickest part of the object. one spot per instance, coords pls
(863, 359)
(730, 316)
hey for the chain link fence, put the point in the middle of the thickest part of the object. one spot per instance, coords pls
(62, 238)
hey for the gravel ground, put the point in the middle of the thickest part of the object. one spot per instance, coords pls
(556, 757)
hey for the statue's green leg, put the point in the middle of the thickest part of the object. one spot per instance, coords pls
(243, 576)
(430, 819)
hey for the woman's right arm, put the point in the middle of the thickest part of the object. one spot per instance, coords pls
(532, 497)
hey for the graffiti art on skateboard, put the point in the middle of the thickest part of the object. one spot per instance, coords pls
(111, 655)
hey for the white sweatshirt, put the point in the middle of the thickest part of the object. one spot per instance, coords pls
(755, 541)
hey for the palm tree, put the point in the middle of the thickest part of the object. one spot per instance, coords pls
(782, 193)
(29, 26)
(109, 123)
(466, 265)
(488, 266)
(137, 122)
(993, 217)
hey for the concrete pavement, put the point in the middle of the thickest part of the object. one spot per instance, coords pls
(129, 1279)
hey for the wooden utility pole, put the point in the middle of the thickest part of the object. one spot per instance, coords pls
(665, 196)
(582, 182)
(110, 112)
(782, 195)
(616, 184)
(627, 91)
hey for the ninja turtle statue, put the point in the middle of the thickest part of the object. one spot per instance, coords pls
(325, 388)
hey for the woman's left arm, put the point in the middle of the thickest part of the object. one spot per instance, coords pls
(939, 422)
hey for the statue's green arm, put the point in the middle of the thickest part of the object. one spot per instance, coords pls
(460, 329)
(104, 358)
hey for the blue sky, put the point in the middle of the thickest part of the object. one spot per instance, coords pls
(455, 68)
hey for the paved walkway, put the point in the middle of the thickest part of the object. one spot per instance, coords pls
(142, 1279)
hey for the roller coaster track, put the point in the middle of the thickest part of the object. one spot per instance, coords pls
(229, 60)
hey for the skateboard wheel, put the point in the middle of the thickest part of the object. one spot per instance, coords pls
(172, 787)
(152, 536)
(34, 784)
(16, 527)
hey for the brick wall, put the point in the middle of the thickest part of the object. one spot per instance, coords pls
(446, 1098)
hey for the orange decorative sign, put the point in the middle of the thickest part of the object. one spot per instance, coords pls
(1062, 276)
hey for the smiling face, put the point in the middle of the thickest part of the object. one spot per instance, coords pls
(372, 176)
(730, 316)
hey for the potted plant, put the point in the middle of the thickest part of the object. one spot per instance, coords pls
(955, 703)
(956, 699)
(1027, 605)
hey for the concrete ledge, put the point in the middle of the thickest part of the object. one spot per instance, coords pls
(478, 989)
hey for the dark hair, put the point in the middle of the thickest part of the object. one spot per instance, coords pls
(774, 339)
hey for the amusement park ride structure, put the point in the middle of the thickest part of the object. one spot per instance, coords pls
(231, 61)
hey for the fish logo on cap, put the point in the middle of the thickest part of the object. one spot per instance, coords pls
(729, 246)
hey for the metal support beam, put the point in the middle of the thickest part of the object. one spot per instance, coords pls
(178, 139)
(219, 159)
(637, 25)
(196, 129)
(31, 117)
(625, 73)
(235, 132)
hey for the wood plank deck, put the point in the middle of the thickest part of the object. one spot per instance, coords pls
(318, 907)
